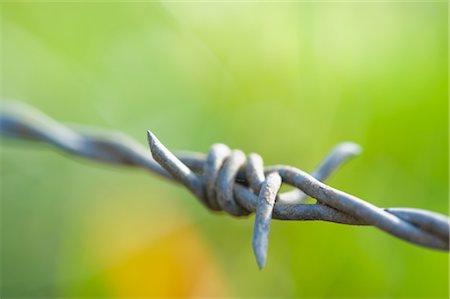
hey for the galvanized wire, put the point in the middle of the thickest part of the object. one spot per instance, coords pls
(228, 180)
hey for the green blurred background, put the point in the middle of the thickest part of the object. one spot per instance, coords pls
(286, 80)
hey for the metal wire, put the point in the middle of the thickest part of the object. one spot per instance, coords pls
(227, 180)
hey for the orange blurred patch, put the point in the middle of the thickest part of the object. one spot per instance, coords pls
(176, 265)
(148, 248)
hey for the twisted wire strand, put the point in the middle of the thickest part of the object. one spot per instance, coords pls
(227, 180)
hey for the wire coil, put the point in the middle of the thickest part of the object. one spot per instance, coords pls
(228, 180)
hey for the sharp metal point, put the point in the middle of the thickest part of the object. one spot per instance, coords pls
(175, 167)
(266, 201)
(340, 154)
(260, 252)
(151, 140)
(236, 185)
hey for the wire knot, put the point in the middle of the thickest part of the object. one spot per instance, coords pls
(228, 176)
(219, 175)
(237, 184)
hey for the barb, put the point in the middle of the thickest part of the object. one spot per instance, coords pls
(227, 180)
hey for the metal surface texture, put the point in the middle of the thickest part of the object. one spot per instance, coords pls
(228, 180)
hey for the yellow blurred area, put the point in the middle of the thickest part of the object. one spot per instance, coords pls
(176, 265)
(147, 253)
(286, 80)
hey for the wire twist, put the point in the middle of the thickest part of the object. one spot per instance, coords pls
(228, 180)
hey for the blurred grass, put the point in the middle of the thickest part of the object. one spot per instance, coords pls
(287, 80)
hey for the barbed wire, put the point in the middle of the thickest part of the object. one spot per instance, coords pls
(228, 180)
